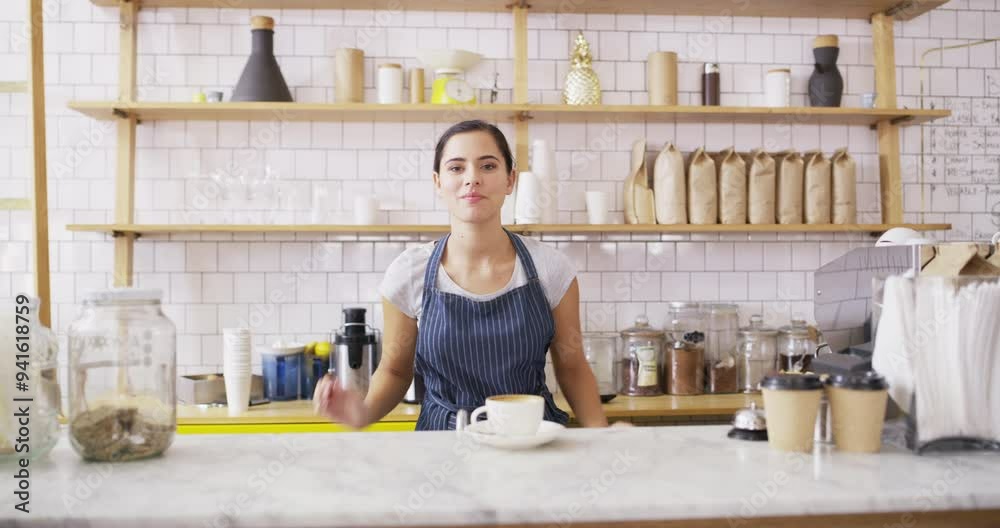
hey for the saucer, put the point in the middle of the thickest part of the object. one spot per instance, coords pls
(483, 432)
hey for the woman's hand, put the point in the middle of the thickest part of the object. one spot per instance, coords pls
(339, 404)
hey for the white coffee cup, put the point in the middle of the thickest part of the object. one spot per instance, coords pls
(365, 210)
(513, 414)
(598, 206)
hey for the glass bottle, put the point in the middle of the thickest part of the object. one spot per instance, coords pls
(757, 353)
(599, 349)
(122, 378)
(29, 370)
(722, 322)
(639, 360)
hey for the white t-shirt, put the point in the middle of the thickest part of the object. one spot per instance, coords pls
(403, 283)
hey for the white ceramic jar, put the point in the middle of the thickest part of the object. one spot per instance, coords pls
(778, 87)
(390, 83)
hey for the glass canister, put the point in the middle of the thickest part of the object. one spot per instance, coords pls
(797, 345)
(686, 333)
(122, 376)
(29, 371)
(722, 322)
(757, 353)
(599, 349)
(638, 362)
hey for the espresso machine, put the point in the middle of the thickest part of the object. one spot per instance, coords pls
(357, 349)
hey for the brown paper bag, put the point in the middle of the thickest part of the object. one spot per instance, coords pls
(703, 205)
(845, 183)
(760, 189)
(818, 189)
(957, 259)
(789, 175)
(670, 186)
(732, 179)
(638, 194)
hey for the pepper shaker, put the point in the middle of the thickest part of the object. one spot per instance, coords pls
(710, 94)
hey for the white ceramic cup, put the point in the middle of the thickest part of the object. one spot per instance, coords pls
(598, 206)
(513, 414)
(365, 210)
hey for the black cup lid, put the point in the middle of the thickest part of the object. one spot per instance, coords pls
(871, 381)
(792, 382)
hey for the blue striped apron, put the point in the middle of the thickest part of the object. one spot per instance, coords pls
(469, 350)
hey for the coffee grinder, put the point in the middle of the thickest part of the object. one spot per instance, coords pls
(357, 349)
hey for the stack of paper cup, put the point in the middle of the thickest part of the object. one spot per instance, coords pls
(236, 369)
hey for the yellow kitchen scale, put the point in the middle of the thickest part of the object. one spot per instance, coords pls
(449, 64)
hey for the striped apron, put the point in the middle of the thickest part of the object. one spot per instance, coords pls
(469, 350)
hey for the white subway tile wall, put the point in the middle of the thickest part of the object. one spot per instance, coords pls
(295, 285)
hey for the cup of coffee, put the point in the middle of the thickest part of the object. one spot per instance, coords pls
(857, 407)
(791, 402)
(513, 414)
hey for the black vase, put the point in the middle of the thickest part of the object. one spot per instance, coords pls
(261, 79)
(826, 86)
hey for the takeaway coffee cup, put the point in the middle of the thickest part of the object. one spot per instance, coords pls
(513, 414)
(791, 402)
(857, 407)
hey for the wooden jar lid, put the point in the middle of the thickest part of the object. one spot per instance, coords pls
(262, 22)
(826, 41)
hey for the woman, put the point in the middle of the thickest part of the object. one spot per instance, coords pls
(489, 305)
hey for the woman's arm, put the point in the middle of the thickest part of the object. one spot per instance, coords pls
(572, 370)
(388, 384)
(394, 374)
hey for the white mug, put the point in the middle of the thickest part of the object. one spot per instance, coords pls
(598, 205)
(513, 414)
(365, 210)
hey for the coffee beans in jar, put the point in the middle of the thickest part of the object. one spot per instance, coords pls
(638, 362)
(685, 368)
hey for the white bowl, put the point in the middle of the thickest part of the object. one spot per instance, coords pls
(448, 59)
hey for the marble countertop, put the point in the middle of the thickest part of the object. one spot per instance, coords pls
(442, 478)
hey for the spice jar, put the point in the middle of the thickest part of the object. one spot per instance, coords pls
(599, 349)
(757, 351)
(30, 351)
(122, 375)
(721, 372)
(797, 345)
(638, 362)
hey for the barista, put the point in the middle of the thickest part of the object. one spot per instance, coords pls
(489, 304)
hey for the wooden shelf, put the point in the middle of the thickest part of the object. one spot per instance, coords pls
(862, 9)
(155, 111)
(15, 204)
(152, 229)
(13, 87)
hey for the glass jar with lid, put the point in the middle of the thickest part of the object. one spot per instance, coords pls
(798, 343)
(757, 351)
(684, 363)
(599, 349)
(29, 371)
(639, 360)
(722, 322)
(122, 376)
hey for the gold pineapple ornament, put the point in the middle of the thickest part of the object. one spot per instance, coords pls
(582, 85)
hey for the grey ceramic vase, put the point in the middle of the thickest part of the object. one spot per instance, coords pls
(826, 86)
(261, 79)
